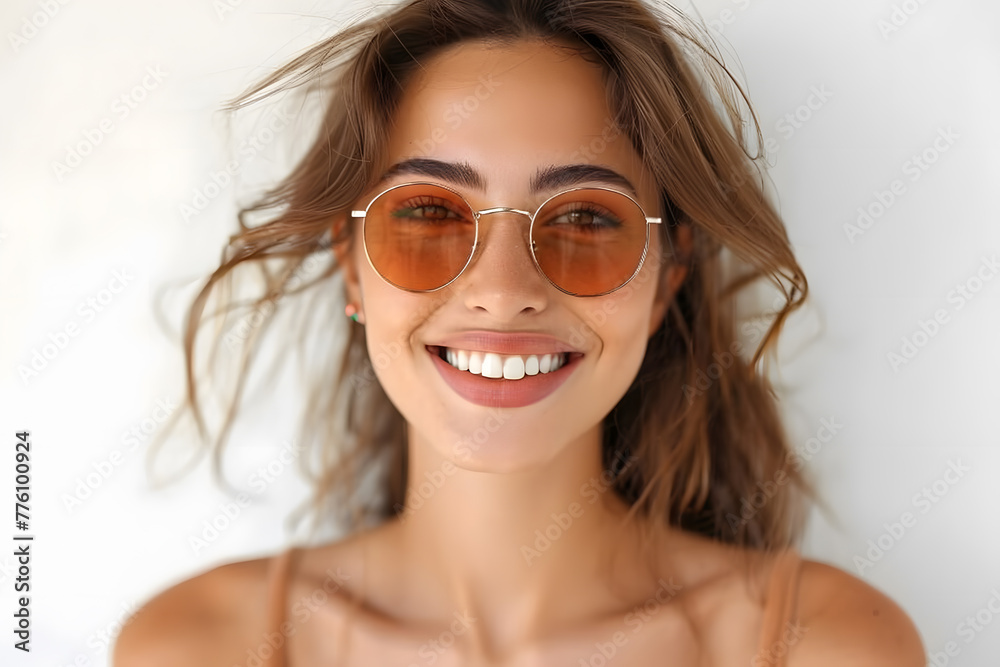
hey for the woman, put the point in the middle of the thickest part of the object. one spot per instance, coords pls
(577, 463)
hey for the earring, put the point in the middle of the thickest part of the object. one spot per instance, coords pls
(351, 311)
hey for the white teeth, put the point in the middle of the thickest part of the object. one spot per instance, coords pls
(492, 365)
(531, 365)
(509, 367)
(513, 368)
(555, 361)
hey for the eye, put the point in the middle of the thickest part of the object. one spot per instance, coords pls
(428, 209)
(583, 216)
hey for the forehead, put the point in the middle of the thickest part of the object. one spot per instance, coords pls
(510, 110)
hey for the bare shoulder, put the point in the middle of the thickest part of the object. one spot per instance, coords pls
(208, 619)
(845, 621)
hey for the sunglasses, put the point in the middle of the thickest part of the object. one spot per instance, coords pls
(587, 241)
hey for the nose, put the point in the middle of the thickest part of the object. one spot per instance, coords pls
(502, 278)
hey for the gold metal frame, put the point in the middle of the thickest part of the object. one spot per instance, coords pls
(497, 209)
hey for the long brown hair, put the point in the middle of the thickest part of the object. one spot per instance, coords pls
(699, 427)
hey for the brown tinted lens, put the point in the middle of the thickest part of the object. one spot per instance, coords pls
(589, 242)
(419, 236)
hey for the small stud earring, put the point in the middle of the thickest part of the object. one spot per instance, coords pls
(351, 311)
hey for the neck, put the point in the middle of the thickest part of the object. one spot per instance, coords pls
(510, 549)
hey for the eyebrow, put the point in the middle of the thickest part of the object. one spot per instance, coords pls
(549, 178)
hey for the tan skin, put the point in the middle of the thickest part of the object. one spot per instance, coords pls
(460, 552)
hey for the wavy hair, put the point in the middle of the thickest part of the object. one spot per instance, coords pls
(699, 426)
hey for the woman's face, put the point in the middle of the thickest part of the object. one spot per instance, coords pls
(508, 114)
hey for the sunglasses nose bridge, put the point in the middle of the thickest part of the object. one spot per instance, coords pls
(504, 209)
(522, 231)
(499, 209)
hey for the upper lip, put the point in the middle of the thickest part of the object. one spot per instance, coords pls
(502, 342)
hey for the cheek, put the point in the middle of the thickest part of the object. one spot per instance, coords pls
(624, 319)
(393, 321)
(619, 323)
(622, 315)
(625, 335)
(386, 336)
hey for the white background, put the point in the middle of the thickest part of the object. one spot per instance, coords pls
(63, 237)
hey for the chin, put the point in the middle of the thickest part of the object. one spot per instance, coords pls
(520, 447)
(501, 459)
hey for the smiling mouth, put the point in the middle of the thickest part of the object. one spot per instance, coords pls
(502, 366)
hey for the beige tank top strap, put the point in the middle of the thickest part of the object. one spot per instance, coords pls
(277, 603)
(780, 629)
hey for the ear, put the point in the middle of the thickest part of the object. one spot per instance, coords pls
(672, 277)
(347, 260)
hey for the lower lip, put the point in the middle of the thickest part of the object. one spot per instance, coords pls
(501, 393)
